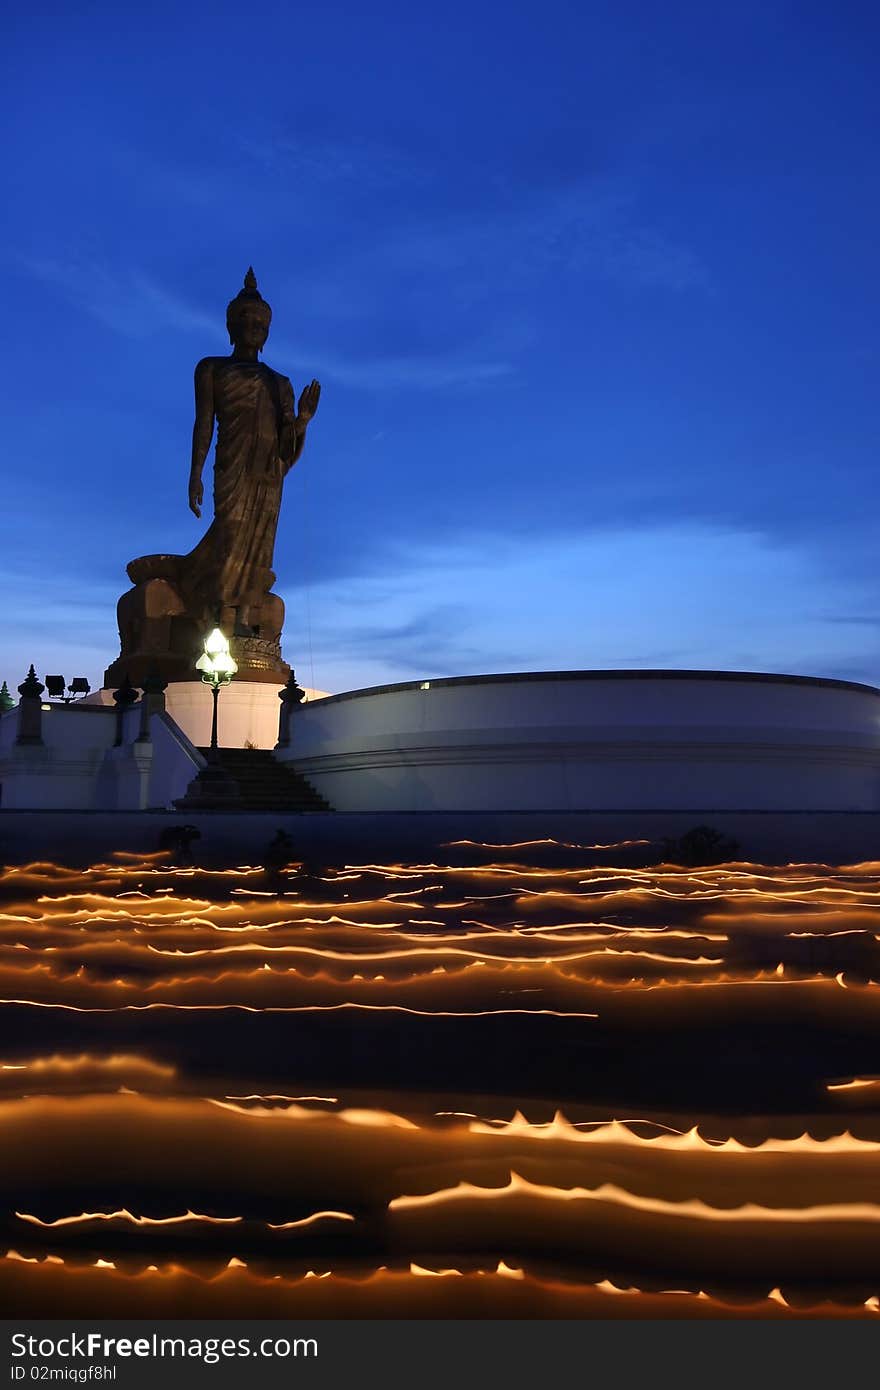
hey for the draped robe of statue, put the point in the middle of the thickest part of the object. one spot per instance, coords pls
(256, 439)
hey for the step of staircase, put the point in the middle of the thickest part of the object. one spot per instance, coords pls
(250, 779)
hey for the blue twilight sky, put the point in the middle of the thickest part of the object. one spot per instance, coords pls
(591, 289)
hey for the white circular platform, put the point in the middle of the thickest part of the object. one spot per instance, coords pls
(596, 740)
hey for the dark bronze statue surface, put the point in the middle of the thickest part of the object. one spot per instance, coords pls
(227, 579)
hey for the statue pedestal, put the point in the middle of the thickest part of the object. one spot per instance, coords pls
(162, 628)
(248, 711)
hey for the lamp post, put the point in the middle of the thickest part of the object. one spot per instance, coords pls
(217, 667)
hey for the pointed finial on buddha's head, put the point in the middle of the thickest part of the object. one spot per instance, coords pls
(248, 304)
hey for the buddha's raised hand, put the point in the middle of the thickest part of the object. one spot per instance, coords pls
(308, 402)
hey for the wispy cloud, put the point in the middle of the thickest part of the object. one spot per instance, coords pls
(505, 224)
(735, 600)
(59, 629)
(134, 305)
(311, 160)
(130, 302)
(853, 619)
(431, 639)
(758, 611)
(582, 230)
(421, 373)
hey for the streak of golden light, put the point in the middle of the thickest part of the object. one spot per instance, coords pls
(61, 1063)
(690, 1209)
(398, 1281)
(310, 1220)
(125, 1215)
(298, 1009)
(431, 949)
(326, 1100)
(366, 1119)
(857, 1084)
(616, 1132)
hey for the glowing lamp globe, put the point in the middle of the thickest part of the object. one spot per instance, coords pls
(216, 662)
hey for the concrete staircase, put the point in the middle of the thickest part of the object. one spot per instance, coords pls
(250, 779)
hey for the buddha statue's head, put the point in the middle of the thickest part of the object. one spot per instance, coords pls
(248, 316)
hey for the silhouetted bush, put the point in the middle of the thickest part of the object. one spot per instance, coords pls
(179, 840)
(700, 846)
(280, 852)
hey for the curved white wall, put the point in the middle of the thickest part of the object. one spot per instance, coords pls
(650, 740)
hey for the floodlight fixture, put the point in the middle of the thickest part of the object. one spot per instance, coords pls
(55, 688)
